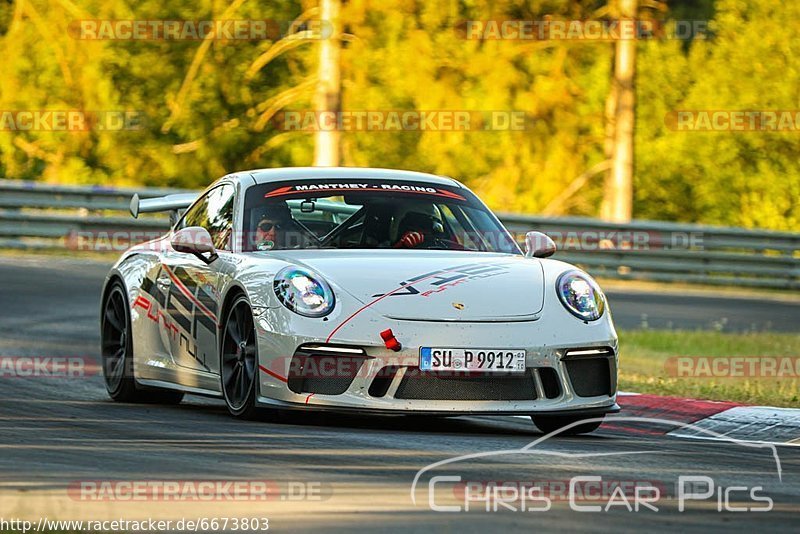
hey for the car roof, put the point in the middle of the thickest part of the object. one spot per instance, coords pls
(263, 176)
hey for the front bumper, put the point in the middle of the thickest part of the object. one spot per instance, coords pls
(265, 402)
(552, 359)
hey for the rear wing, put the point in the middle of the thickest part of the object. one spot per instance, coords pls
(173, 203)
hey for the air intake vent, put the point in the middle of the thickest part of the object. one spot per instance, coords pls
(324, 369)
(591, 371)
(550, 382)
(380, 385)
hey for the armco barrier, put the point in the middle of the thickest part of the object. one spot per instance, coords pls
(36, 215)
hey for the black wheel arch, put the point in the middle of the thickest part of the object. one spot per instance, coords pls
(230, 296)
(108, 284)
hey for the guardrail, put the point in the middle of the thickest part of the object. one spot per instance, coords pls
(38, 216)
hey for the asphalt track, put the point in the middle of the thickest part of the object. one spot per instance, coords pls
(57, 431)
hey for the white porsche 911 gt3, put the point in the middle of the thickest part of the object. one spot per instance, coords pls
(354, 289)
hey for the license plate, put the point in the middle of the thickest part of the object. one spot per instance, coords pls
(486, 360)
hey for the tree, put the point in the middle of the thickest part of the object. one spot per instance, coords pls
(618, 202)
(209, 108)
(327, 98)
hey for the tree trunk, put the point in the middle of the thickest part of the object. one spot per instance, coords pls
(328, 93)
(618, 202)
(608, 147)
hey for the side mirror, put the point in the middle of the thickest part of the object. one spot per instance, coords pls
(539, 245)
(194, 240)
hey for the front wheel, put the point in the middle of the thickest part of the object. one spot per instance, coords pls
(238, 360)
(551, 423)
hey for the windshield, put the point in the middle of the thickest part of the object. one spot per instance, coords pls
(369, 215)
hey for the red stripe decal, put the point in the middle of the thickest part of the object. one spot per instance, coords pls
(450, 194)
(278, 192)
(159, 316)
(188, 294)
(390, 293)
(143, 302)
(273, 374)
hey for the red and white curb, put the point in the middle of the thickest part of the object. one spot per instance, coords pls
(758, 424)
(730, 420)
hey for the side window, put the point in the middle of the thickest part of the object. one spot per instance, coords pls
(462, 228)
(214, 212)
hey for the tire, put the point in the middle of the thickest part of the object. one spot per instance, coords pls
(548, 424)
(116, 352)
(239, 360)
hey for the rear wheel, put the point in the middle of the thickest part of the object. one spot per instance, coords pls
(238, 360)
(116, 350)
(548, 424)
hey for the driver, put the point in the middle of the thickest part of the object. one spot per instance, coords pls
(417, 229)
(270, 230)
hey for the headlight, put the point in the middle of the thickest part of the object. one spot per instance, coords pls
(303, 293)
(581, 295)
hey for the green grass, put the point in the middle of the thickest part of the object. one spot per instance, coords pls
(644, 354)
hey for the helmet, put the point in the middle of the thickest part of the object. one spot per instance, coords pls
(426, 222)
(276, 211)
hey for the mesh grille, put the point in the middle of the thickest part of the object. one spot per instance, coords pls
(422, 385)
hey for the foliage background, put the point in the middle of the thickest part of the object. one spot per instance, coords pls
(405, 54)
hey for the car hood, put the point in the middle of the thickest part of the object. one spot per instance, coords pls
(433, 285)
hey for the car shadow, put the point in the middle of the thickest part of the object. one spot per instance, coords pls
(464, 425)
